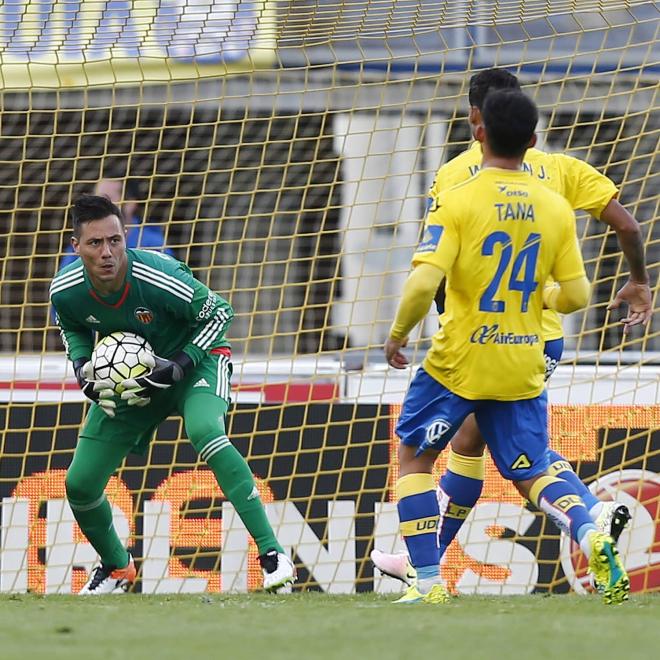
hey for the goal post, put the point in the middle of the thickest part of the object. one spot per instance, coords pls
(284, 151)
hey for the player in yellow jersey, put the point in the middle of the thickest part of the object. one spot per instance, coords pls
(497, 238)
(584, 188)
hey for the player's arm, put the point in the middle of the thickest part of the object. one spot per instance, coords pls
(440, 294)
(636, 292)
(418, 293)
(572, 290)
(434, 257)
(569, 296)
(79, 343)
(77, 339)
(629, 235)
(587, 189)
(208, 316)
(443, 181)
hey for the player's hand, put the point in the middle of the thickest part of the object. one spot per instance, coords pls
(164, 373)
(638, 297)
(395, 358)
(98, 391)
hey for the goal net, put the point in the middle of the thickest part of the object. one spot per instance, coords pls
(284, 150)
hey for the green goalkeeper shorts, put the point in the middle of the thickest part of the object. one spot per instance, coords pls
(134, 427)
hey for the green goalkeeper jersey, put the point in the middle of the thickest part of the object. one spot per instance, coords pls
(160, 300)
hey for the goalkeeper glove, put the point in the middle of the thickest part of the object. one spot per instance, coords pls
(164, 374)
(98, 391)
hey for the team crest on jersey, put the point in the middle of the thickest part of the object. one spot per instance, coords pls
(144, 315)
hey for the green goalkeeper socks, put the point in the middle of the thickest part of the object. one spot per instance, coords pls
(93, 464)
(95, 521)
(237, 483)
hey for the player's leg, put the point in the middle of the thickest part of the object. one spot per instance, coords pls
(559, 500)
(610, 517)
(93, 464)
(429, 417)
(461, 484)
(517, 439)
(559, 466)
(103, 444)
(459, 490)
(204, 409)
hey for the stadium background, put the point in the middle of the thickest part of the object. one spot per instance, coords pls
(289, 170)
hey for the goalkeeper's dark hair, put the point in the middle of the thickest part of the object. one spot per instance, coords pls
(88, 208)
(510, 119)
(490, 80)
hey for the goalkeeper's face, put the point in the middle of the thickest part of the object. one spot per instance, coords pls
(102, 248)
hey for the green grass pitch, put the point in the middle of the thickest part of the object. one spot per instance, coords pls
(313, 625)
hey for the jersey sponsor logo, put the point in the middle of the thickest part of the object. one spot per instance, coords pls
(207, 307)
(202, 382)
(521, 463)
(144, 315)
(491, 334)
(92, 319)
(511, 193)
(436, 429)
(430, 239)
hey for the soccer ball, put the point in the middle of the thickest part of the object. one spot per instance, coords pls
(121, 355)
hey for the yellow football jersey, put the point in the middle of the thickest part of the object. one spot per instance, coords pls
(498, 236)
(584, 187)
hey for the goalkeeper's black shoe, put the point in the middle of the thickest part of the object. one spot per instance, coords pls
(278, 570)
(109, 579)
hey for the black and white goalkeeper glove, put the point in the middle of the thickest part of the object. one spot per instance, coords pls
(98, 391)
(164, 374)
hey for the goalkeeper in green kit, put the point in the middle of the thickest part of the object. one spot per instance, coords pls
(111, 288)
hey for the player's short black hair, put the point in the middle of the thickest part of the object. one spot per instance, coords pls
(87, 208)
(489, 80)
(510, 119)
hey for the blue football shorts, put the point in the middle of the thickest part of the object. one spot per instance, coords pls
(516, 432)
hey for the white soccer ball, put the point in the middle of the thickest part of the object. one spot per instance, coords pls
(121, 355)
